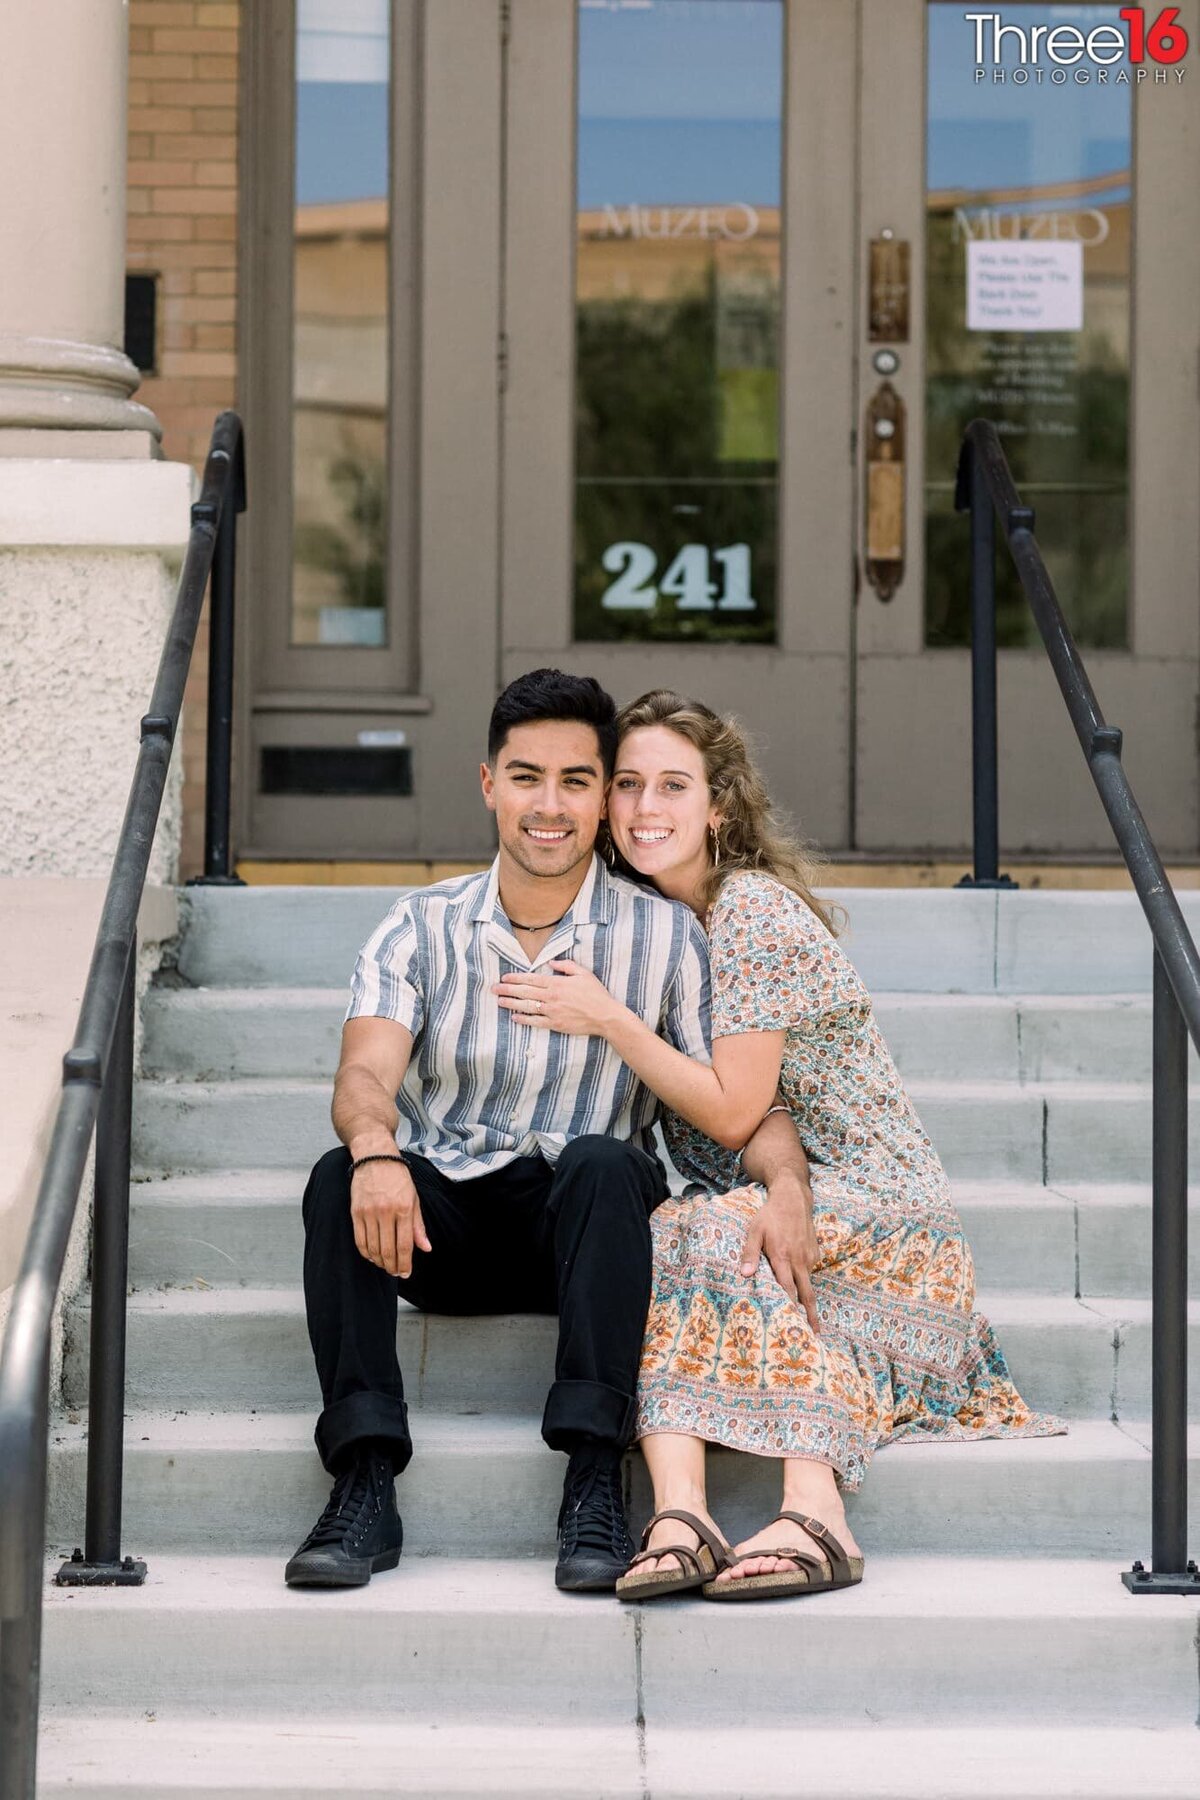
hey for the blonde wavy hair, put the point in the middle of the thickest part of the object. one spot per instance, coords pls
(751, 836)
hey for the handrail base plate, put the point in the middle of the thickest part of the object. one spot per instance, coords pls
(1143, 1581)
(129, 1572)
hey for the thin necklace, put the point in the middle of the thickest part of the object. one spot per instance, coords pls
(557, 921)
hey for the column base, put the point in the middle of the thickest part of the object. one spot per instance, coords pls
(54, 384)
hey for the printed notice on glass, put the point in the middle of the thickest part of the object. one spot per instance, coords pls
(1024, 287)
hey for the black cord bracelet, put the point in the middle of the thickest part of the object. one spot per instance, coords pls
(382, 1157)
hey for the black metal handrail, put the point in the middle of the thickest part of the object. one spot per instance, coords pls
(984, 487)
(97, 1090)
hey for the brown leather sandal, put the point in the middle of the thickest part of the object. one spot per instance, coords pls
(816, 1574)
(705, 1562)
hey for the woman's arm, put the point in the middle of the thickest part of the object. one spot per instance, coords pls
(782, 1229)
(726, 1101)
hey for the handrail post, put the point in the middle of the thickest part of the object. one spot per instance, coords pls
(983, 676)
(218, 777)
(1170, 1572)
(101, 1565)
(984, 778)
(20, 1671)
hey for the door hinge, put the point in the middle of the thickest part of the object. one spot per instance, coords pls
(505, 22)
(502, 362)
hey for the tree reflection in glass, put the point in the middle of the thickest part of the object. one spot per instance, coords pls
(677, 320)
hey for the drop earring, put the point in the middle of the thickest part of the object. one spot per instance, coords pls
(716, 843)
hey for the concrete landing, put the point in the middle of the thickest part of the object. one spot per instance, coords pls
(330, 1755)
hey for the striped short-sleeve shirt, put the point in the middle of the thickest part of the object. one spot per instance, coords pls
(482, 1087)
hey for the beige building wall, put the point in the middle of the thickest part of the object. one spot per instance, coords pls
(182, 227)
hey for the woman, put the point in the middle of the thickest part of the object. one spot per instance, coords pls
(857, 1326)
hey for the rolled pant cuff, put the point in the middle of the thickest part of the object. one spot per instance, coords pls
(358, 1416)
(578, 1410)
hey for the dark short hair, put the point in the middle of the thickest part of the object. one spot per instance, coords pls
(551, 694)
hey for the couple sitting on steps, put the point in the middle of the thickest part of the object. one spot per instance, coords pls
(511, 1039)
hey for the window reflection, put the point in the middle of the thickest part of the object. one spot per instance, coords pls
(677, 322)
(1027, 320)
(340, 368)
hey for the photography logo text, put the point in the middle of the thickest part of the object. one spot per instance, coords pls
(1146, 46)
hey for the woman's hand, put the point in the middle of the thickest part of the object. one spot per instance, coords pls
(784, 1232)
(570, 1000)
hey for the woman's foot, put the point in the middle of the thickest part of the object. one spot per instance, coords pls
(758, 1555)
(674, 1531)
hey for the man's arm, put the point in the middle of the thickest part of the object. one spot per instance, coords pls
(383, 1200)
(782, 1230)
(374, 1061)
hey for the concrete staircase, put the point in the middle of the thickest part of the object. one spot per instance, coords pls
(991, 1649)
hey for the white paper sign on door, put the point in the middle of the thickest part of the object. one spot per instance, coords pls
(1024, 287)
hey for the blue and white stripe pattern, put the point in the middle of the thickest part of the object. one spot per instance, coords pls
(483, 1087)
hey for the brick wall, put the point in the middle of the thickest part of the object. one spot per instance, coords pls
(182, 199)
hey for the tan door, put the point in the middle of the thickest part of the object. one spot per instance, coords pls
(676, 466)
(1054, 233)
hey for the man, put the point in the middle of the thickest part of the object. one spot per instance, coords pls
(486, 1163)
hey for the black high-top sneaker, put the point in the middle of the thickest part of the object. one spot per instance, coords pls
(594, 1545)
(359, 1532)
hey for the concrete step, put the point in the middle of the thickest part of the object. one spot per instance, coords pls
(486, 1486)
(982, 1641)
(245, 1348)
(244, 1229)
(1051, 1132)
(221, 1033)
(277, 1757)
(901, 939)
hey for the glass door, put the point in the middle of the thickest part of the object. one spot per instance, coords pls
(1030, 184)
(677, 476)
(331, 140)
(678, 281)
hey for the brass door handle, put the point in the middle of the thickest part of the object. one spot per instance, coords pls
(884, 509)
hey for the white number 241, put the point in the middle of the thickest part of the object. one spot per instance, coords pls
(687, 579)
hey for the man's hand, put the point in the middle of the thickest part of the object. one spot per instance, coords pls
(783, 1231)
(387, 1216)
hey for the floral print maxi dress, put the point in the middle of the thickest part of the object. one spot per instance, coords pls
(901, 1351)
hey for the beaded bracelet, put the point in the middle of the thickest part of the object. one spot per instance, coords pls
(382, 1157)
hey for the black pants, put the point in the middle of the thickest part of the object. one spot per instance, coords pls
(571, 1239)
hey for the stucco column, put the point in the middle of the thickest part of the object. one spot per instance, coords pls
(62, 220)
(93, 522)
